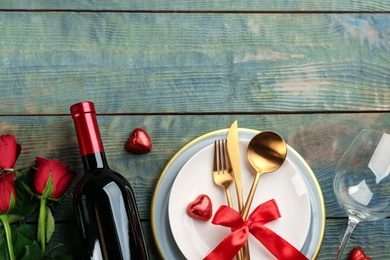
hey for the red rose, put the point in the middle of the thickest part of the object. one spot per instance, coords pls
(9, 151)
(52, 178)
(7, 192)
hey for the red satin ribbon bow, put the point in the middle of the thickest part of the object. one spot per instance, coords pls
(230, 245)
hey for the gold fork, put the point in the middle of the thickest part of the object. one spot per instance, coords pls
(222, 173)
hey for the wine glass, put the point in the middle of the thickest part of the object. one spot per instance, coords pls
(362, 181)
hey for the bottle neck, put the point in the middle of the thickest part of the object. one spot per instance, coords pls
(88, 135)
(94, 161)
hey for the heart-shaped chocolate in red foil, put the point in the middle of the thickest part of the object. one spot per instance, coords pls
(139, 142)
(201, 208)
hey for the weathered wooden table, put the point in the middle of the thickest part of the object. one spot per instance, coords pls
(315, 71)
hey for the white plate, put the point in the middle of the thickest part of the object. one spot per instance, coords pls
(197, 238)
(162, 233)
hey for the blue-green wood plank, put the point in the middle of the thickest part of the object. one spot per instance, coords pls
(189, 63)
(193, 5)
(321, 139)
(373, 237)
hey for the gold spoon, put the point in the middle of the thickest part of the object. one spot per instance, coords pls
(266, 153)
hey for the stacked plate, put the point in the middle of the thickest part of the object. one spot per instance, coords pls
(189, 174)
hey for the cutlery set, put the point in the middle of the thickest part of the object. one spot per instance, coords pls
(266, 153)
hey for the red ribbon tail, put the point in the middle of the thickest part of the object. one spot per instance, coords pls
(229, 246)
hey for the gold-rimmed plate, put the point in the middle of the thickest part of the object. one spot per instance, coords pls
(160, 219)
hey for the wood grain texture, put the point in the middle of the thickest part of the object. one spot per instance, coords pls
(319, 138)
(191, 5)
(373, 237)
(314, 71)
(194, 63)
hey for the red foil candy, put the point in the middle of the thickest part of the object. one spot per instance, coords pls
(139, 142)
(358, 254)
(201, 208)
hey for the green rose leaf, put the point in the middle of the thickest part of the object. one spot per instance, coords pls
(50, 224)
(22, 236)
(25, 204)
(32, 252)
(2, 234)
(4, 249)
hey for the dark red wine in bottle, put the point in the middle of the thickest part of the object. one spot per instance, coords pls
(103, 200)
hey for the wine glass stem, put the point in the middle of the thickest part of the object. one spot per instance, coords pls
(352, 222)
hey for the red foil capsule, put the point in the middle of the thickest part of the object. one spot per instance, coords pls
(83, 114)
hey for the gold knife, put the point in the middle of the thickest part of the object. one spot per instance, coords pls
(234, 157)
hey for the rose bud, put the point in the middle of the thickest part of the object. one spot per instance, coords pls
(7, 192)
(52, 178)
(9, 151)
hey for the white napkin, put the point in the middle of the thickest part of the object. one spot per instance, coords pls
(361, 193)
(380, 160)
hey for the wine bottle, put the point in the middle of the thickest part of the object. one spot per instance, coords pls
(103, 200)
